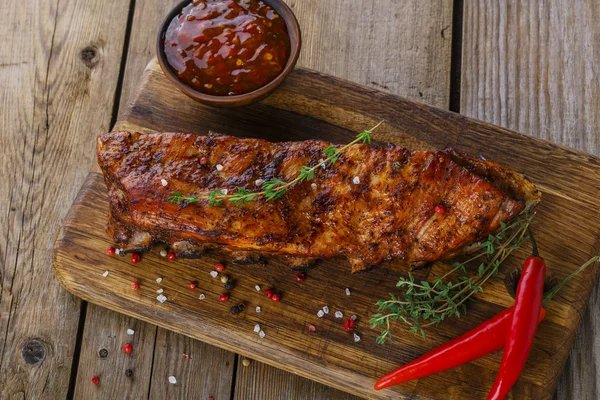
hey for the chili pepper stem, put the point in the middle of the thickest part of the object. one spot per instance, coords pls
(534, 247)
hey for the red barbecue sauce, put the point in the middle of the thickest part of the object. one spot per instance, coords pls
(227, 47)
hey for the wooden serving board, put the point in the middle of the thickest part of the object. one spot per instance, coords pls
(310, 105)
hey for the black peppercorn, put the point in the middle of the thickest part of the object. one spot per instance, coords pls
(242, 307)
(229, 285)
(235, 310)
(128, 373)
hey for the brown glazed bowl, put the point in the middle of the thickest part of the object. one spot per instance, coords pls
(293, 29)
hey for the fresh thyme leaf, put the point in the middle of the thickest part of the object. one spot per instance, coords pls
(423, 303)
(242, 195)
(271, 183)
(306, 173)
(332, 153)
(177, 197)
(365, 137)
(214, 197)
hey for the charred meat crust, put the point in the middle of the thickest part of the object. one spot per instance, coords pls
(388, 215)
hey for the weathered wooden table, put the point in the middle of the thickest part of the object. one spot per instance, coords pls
(67, 68)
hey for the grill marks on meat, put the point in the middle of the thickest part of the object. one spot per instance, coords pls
(389, 215)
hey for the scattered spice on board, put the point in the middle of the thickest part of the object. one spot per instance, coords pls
(162, 298)
(127, 348)
(258, 309)
(320, 314)
(347, 292)
(257, 288)
(312, 328)
(202, 296)
(110, 251)
(130, 331)
(261, 334)
(326, 309)
(186, 356)
(257, 328)
(128, 373)
(95, 380)
(214, 274)
(105, 274)
(172, 380)
(356, 338)
(163, 253)
(135, 285)
(245, 362)
(158, 280)
(160, 290)
(338, 314)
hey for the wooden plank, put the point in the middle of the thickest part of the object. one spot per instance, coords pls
(207, 372)
(532, 66)
(59, 61)
(102, 355)
(310, 105)
(261, 381)
(398, 47)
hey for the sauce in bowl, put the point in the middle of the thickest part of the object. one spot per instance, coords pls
(226, 48)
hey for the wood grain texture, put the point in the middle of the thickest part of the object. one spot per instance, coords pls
(401, 47)
(310, 105)
(261, 381)
(102, 355)
(405, 52)
(532, 66)
(59, 63)
(207, 372)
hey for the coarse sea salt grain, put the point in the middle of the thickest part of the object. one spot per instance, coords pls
(118, 251)
(257, 288)
(356, 338)
(258, 309)
(214, 274)
(202, 296)
(130, 331)
(219, 167)
(159, 290)
(257, 328)
(105, 274)
(172, 380)
(320, 313)
(158, 280)
(259, 182)
(356, 180)
(161, 297)
(313, 186)
(163, 182)
(326, 309)
(338, 314)
(353, 318)
(261, 334)
(225, 191)
(347, 292)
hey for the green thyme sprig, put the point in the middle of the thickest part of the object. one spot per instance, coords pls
(273, 188)
(424, 303)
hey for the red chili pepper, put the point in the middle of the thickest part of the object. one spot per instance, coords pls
(528, 303)
(479, 341)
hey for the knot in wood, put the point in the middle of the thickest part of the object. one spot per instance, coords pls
(33, 352)
(102, 353)
(89, 56)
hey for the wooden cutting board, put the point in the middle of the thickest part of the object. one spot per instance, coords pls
(311, 105)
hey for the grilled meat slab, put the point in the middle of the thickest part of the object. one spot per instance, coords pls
(375, 204)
